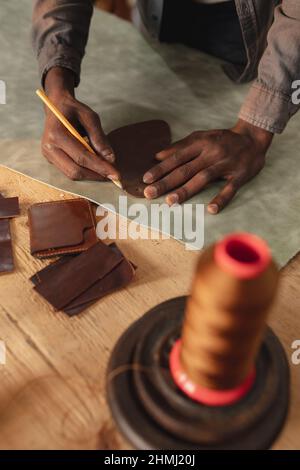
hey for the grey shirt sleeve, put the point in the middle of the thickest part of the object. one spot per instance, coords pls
(269, 104)
(60, 31)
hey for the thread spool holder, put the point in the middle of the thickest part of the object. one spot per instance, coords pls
(153, 413)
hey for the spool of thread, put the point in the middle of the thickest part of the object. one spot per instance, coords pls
(225, 319)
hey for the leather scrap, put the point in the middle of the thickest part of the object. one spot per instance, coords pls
(6, 251)
(135, 147)
(76, 276)
(118, 277)
(61, 227)
(9, 207)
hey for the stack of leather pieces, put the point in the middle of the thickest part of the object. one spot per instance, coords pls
(89, 269)
(9, 207)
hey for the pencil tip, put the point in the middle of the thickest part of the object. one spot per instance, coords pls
(118, 183)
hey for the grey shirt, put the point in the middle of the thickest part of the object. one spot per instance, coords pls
(270, 28)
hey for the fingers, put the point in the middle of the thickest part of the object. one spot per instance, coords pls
(193, 138)
(224, 197)
(84, 158)
(68, 167)
(173, 180)
(92, 124)
(176, 158)
(166, 153)
(194, 185)
(57, 137)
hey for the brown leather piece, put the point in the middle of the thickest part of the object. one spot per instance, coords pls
(81, 272)
(61, 227)
(9, 207)
(118, 277)
(51, 270)
(135, 147)
(6, 252)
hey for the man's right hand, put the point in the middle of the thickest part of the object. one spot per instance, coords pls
(60, 147)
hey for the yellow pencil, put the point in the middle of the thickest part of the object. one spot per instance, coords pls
(69, 126)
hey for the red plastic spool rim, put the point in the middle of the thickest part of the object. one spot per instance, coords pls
(243, 255)
(204, 395)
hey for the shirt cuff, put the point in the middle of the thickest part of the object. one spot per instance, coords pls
(59, 56)
(266, 108)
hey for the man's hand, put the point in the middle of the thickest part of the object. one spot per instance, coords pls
(235, 155)
(60, 147)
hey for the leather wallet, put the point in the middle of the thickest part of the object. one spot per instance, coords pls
(118, 277)
(61, 227)
(6, 252)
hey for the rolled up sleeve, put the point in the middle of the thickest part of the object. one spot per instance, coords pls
(60, 31)
(269, 102)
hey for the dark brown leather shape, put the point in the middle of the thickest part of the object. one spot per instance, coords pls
(135, 147)
(6, 252)
(74, 283)
(9, 207)
(119, 277)
(61, 227)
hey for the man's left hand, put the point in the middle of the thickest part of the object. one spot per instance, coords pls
(235, 155)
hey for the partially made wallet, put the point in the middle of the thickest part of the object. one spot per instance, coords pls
(61, 227)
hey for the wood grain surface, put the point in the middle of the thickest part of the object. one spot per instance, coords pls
(52, 386)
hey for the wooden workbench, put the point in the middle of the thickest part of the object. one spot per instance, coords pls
(52, 386)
